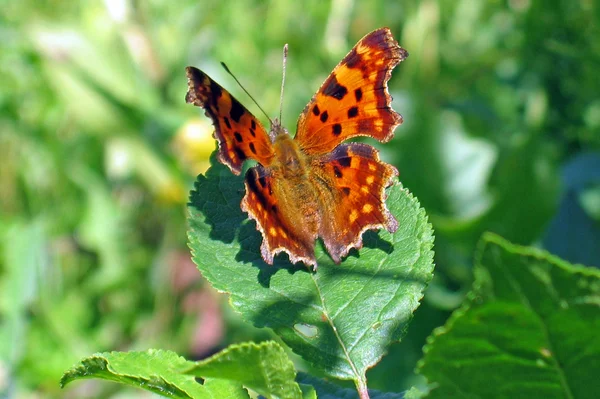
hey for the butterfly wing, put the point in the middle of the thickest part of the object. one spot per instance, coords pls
(354, 100)
(239, 133)
(355, 179)
(280, 233)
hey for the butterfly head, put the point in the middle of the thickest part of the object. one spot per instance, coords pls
(277, 130)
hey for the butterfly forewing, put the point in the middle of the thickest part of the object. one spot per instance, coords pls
(353, 100)
(239, 133)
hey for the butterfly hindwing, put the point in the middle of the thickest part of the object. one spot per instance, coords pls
(279, 233)
(357, 180)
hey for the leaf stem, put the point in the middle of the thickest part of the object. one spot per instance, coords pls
(361, 386)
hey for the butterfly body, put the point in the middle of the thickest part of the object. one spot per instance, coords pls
(314, 185)
(289, 161)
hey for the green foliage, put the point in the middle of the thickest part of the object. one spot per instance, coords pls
(319, 315)
(264, 367)
(99, 150)
(529, 328)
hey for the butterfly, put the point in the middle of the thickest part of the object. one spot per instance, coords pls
(314, 185)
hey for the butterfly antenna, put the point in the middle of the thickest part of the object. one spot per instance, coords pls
(285, 53)
(246, 91)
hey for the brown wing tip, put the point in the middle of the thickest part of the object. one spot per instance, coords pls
(194, 73)
(194, 78)
(399, 55)
(383, 37)
(384, 43)
(402, 53)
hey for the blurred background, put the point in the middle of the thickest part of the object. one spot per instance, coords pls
(501, 102)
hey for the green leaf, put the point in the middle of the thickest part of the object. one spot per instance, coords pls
(529, 328)
(342, 318)
(154, 370)
(264, 368)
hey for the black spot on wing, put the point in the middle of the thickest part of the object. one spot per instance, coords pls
(337, 172)
(358, 94)
(345, 161)
(337, 129)
(226, 120)
(252, 148)
(236, 111)
(316, 111)
(353, 112)
(324, 117)
(240, 154)
(333, 88)
(238, 137)
(251, 180)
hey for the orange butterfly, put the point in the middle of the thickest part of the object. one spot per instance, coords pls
(312, 185)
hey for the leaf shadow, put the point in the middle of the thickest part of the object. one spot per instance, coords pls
(217, 196)
(373, 240)
(250, 241)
